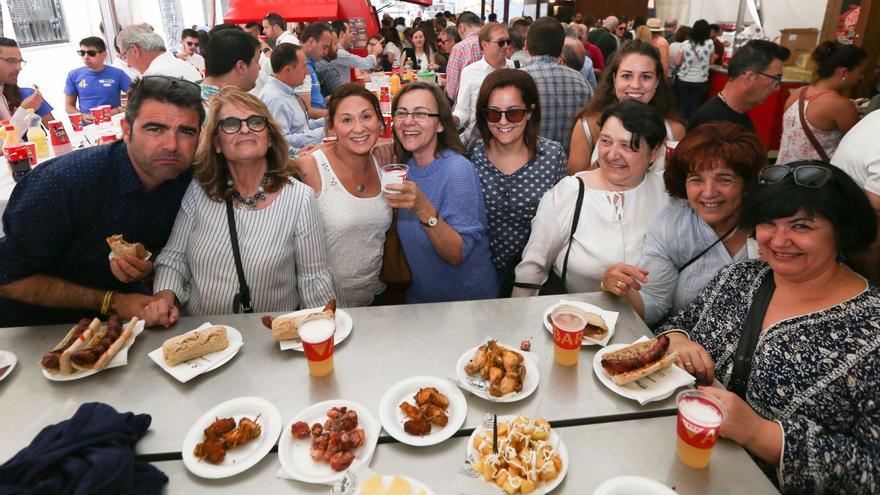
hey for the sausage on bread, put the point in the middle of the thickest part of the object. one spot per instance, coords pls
(638, 360)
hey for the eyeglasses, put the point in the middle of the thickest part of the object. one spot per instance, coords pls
(812, 176)
(14, 61)
(513, 115)
(91, 53)
(192, 43)
(501, 43)
(419, 116)
(231, 125)
(165, 82)
(777, 79)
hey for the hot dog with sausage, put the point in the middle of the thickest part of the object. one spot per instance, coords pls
(638, 360)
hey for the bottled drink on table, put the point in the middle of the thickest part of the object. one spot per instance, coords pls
(37, 135)
(394, 84)
(16, 153)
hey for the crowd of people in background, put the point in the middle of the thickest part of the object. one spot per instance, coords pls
(558, 157)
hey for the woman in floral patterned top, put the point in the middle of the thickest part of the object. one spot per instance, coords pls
(515, 165)
(811, 408)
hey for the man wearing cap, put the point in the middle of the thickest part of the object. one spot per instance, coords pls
(659, 42)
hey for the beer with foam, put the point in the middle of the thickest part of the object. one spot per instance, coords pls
(568, 333)
(317, 339)
(699, 421)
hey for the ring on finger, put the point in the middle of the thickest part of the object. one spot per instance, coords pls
(688, 365)
(620, 284)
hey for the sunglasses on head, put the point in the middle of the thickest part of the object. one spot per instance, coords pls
(513, 115)
(812, 176)
(91, 53)
(231, 125)
(165, 82)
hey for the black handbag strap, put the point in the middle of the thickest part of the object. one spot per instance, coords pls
(574, 226)
(242, 301)
(701, 253)
(748, 341)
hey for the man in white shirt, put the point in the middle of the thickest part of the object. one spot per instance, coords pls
(858, 154)
(345, 61)
(275, 30)
(189, 49)
(494, 42)
(144, 50)
(290, 69)
(233, 60)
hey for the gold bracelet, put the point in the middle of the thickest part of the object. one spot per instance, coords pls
(105, 303)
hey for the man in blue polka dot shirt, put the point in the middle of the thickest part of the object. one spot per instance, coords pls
(54, 265)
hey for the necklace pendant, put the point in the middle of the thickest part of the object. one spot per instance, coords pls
(361, 188)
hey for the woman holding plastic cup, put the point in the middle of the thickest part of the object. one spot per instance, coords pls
(442, 222)
(794, 337)
(345, 177)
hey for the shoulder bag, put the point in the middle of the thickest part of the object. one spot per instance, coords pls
(802, 115)
(241, 303)
(556, 284)
(395, 269)
(748, 341)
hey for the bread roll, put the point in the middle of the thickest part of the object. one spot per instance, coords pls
(120, 248)
(194, 344)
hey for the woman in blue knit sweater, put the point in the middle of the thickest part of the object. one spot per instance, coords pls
(442, 220)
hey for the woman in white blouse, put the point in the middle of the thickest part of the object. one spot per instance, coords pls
(710, 172)
(345, 177)
(242, 168)
(621, 199)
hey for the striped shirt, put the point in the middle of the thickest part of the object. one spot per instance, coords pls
(282, 248)
(464, 53)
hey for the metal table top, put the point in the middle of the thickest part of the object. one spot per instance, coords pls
(387, 344)
(598, 452)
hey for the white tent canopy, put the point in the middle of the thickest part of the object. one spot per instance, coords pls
(776, 14)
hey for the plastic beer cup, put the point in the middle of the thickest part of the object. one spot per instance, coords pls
(76, 121)
(699, 420)
(317, 339)
(568, 334)
(393, 173)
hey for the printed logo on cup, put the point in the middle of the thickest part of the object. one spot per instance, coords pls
(320, 351)
(568, 340)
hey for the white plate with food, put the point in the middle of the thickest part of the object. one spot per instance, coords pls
(427, 421)
(510, 385)
(655, 379)
(344, 324)
(256, 424)
(550, 460)
(631, 485)
(396, 484)
(296, 454)
(8, 360)
(113, 357)
(198, 351)
(595, 334)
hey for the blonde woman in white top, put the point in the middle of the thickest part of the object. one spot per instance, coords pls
(621, 200)
(345, 177)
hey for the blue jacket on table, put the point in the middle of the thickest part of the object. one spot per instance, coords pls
(58, 218)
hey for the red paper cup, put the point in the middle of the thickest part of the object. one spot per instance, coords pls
(76, 121)
(386, 133)
(317, 338)
(107, 113)
(97, 114)
(699, 420)
(569, 324)
(57, 133)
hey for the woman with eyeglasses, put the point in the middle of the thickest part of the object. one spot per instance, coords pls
(820, 108)
(692, 76)
(345, 178)
(711, 171)
(422, 53)
(242, 179)
(794, 336)
(635, 73)
(442, 221)
(515, 165)
(614, 205)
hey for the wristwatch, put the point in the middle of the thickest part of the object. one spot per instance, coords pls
(432, 221)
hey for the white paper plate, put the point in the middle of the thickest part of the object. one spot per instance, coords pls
(295, 454)
(120, 359)
(188, 370)
(630, 390)
(633, 485)
(7, 358)
(241, 458)
(555, 440)
(610, 318)
(414, 484)
(344, 324)
(479, 387)
(392, 417)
